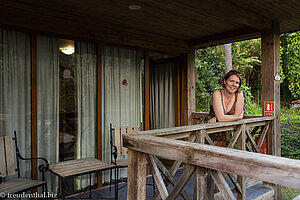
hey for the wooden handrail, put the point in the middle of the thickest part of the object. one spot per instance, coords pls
(201, 156)
(183, 129)
(277, 170)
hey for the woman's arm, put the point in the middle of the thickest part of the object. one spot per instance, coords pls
(219, 112)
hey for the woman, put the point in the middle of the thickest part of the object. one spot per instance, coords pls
(227, 104)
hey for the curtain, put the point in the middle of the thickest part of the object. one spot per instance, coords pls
(15, 91)
(122, 93)
(162, 103)
(48, 103)
(86, 83)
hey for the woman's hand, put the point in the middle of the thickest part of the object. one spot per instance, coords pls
(212, 120)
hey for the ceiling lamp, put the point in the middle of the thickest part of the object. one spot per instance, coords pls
(134, 7)
(67, 46)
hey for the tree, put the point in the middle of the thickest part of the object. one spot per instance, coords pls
(290, 65)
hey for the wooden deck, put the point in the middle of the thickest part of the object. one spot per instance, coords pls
(256, 192)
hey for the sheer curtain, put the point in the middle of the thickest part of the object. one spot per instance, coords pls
(15, 91)
(48, 103)
(122, 103)
(86, 65)
(162, 103)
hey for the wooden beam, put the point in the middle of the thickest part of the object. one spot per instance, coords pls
(224, 38)
(216, 127)
(188, 172)
(75, 26)
(157, 177)
(136, 183)
(177, 91)
(222, 185)
(191, 86)
(270, 44)
(183, 91)
(277, 170)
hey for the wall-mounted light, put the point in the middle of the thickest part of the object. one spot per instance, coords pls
(67, 46)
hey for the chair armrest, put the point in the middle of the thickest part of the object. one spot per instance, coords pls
(42, 167)
(115, 154)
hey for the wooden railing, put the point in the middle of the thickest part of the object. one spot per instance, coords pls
(195, 147)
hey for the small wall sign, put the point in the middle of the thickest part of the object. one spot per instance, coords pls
(269, 108)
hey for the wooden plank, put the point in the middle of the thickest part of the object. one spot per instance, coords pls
(79, 167)
(203, 187)
(247, 132)
(263, 135)
(222, 185)
(175, 166)
(168, 175)
(34, 105)
(19, 185)
(10, 155)
(157, 177)
(2, 158)
(136, 183)
(267, 168)
(188, 172)
(235, 137)
(207, 127)
(117, 138)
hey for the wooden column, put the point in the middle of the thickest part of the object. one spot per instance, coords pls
(270, 44)
(136, 183)
(241, 145)
(147, 93)
(34, 105)
(187, 87)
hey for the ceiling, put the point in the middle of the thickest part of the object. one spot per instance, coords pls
(162, 25)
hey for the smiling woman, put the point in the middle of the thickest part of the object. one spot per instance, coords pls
(227, 103)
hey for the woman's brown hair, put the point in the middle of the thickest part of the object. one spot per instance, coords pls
(230, 73)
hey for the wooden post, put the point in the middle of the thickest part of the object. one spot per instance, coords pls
(136, 188)
(188, 88)
(203, 182)
(270, 44)
(191, 86)
(241, 145)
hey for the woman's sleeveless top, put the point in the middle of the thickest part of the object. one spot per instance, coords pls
(230, 112)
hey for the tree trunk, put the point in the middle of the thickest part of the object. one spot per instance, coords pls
(228, 57)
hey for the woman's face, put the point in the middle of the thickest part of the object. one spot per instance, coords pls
(232, 84)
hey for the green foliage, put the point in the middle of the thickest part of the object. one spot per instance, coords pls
(290, 133)
(210, 70)
(290, 62)
(246, 58)
(209, 64)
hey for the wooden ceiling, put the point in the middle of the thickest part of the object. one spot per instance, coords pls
(164, 25)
